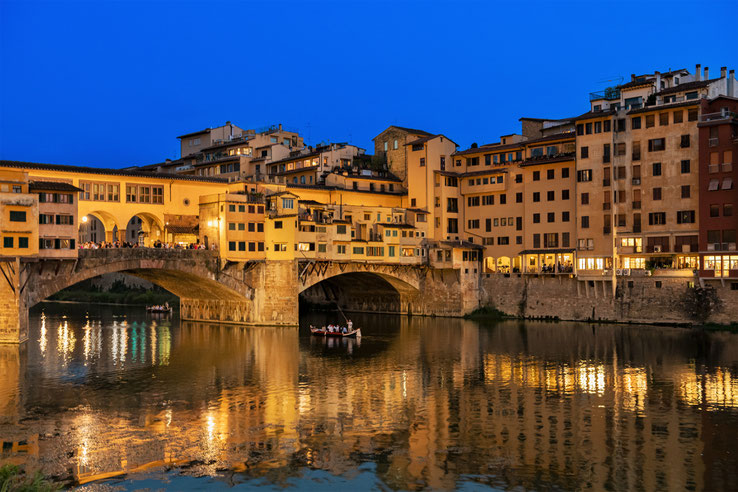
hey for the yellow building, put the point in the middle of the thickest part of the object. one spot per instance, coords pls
(19, 218)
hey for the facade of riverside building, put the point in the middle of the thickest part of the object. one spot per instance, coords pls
(639, 180)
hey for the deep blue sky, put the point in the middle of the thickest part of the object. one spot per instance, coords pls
(113, 83)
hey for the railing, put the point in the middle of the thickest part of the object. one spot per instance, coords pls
(713, 168)
(722, 115)
(609, 94)
(721, 247)
(636, 181)
(727, 167)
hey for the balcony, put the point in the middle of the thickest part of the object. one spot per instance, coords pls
(719, 116)
(609, 94)
(636, 181)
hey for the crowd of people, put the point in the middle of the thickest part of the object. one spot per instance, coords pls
(157, 244)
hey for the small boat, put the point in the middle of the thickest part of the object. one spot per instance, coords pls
(159, 309)
(323, 332)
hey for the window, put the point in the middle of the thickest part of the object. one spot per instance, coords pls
(144, 194)
(713, 185)
(727, 184)
(657, 218)
(472, 201)
(588, 128)
(580, 129)
(536, 218)
(606, 126)
(131, 194)
(550, 174)
(385, 146)
(65, 220)
(656, 169)
(650, 121)
(692, 114)
(8, 242)
(685, 166)
(503, 199)
(620, 149)
(452, 226)
(241, 208)
(714, 210)
(657, 193)
(550, 196)
(17, 216)
(277, 224)
(635, 123)
(536, 175)
(584, 175)
(536, 197)
(565, 172)
(488, 200)
(685, 217)
(598, 126)
(656, 144)
(395, 145)
(341, 249)
(585, 198)
(551, 240)
(728, 210)
(518, 178)
(518, 197)
(684, 142)
(551, 217)
(585, 222)
(340, 229)
(473, 223)
(422, 162)
(606, 153)
(584, 152)
(113, 192)
(663, 119)
(157, 194)
(678, 116)
(685, 191)
(564, 216)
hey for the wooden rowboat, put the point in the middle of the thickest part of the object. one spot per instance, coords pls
(322, 332)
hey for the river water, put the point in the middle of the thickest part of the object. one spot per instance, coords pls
(114, 399)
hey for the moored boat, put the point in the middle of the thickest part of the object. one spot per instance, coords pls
(323, 332)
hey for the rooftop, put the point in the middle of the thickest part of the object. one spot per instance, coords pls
(112, 172)
(52, 186)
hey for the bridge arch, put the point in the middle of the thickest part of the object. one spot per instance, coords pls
(361, 286)
(151, 225)
(110, 223)
(192, 275)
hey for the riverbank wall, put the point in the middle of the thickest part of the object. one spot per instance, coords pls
(657, 299)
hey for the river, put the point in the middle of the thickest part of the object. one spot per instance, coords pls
(114, 399)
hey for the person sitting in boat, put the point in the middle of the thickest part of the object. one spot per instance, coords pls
(166, 305)
(330, 328)
(344, 330)
(350, 325)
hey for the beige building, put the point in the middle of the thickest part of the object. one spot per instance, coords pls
(391, 147)
(57, 218)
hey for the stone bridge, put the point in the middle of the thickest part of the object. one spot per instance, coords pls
(262, 292)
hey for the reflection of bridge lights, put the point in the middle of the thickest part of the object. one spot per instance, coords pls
(87, 340)
(42, 339)
(153, 344)
(65, 340)
(592, 378)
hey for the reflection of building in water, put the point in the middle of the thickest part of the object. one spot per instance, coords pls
(13, 366)
(522, 405)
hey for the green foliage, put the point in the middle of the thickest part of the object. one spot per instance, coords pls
(13, 478)
(699, 303)
(118, 293)
(486, 312)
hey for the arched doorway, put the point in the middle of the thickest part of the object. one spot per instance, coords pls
(97, 227)
(144, 229)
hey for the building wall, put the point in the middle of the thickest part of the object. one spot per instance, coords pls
(655, 299)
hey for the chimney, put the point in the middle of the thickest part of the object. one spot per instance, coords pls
(698, 72)
(658, 80)
(731, 83)
(723, 71)
(280, 127)
(632, 77)
(707, 73)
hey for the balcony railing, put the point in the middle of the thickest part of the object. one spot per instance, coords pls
(713, 168)
(636, 181)
(609, 94)
(722, 115)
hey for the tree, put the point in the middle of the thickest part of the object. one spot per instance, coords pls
(699, 303)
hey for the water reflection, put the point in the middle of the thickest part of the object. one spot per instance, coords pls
(429, 403)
